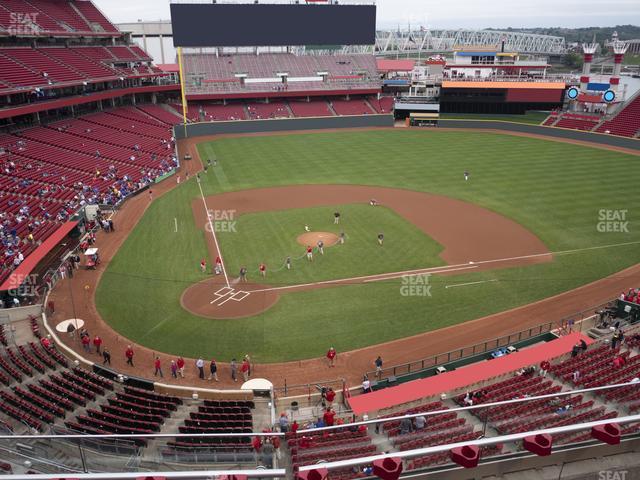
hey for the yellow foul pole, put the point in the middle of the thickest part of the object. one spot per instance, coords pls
(182, 92)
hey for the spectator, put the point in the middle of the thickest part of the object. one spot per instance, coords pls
(158, 367)
(180, 364)
(294, 426)
(366, 385)
(331, 356)
(378, 364)
(619, 361)
(128, 353)
(419, 422)
(544, 367)
(468, 399)
(97, 342)
(86, 341)
(575, 350)
(174, 369)
(405, 426)
(575, 376)
(213, 369)
(583, 345)
(234, 370)
(284, 423)
(106, 357)
(330, 396)
(244, 368)
(328, 417)
(200, 367)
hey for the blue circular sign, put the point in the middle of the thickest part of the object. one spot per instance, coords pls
(572, 93)
(609, 96)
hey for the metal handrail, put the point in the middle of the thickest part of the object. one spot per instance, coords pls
(469, 408)
(433, 361)
(194, 474)
(483, 442)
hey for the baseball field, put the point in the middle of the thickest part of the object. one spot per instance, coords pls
(536, 218)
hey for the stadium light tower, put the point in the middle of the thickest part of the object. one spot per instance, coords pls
(589, 49)
(619, 49)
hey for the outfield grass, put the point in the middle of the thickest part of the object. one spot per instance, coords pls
(270, 237)
(554, 189)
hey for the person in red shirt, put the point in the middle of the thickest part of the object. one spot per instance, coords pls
(46, 343)
(328, 417)
(544, 367)
(256, 443)
(86, 341)
(331, 356)
(310, 253)
(97, 342)
(180, 365)
(158, 367)
(263, 270)
(129, 354)
(294, 426)
(244, 368)
(330, 396)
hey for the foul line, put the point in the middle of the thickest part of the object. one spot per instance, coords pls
(213, 234)
(429, 271)
(470, 283)
(443, 269)
(367, 278)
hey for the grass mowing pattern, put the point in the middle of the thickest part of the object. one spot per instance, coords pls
(554, 189)
(270, 236)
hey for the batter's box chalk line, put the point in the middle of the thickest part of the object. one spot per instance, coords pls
(225, 294)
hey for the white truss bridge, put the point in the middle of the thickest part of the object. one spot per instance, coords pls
(427, 41)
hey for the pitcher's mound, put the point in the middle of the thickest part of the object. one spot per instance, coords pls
(312, 238)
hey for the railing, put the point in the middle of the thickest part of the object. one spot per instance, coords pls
(70, 445)
(563, 326)
(464, 352)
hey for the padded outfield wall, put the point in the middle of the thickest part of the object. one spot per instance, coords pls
(283, 124)
(604, 139)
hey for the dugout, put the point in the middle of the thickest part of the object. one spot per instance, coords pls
(420, 119)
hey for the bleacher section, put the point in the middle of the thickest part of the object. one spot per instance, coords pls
(305, 73)
(577, 121)
(625, 123)
(351, 107)
(49, 172)
(280, 108)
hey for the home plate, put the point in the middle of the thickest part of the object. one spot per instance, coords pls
(224, 294)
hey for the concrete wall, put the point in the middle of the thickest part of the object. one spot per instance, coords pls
(283, 124)
(603, 139)
(10, 315)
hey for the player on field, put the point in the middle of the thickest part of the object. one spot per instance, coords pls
(310, 253)
(380, 238)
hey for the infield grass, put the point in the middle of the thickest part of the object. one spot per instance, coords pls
(270, 237)
(554, 189)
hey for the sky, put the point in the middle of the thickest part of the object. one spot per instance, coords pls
(445, 14)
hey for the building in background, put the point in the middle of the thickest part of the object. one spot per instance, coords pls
(155, 37)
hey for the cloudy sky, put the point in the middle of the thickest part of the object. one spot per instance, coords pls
(446, 14)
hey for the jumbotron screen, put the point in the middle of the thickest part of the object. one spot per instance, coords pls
(243, 25)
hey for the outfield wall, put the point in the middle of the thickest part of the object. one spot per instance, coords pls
(283, 124)
(604, 139)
